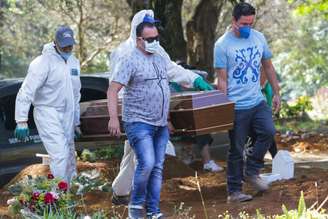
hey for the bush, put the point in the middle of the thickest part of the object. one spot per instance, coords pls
(297, 109)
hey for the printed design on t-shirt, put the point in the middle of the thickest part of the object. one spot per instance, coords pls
(247, 59)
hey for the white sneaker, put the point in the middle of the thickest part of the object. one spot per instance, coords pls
(212, 167)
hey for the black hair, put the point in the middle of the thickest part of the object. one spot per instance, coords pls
(242, 9)
(142, 26)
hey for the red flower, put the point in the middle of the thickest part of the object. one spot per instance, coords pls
(48, 198)
(35, 195)
(62, 185)
(50, 176)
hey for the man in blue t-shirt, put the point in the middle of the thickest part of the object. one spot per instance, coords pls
(238, 57)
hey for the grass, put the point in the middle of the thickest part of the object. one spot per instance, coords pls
(298, 125)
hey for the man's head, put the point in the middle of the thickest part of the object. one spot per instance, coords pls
(64, 39)
(243, 18)
(147, 36)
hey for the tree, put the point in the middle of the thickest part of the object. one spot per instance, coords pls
(314, 7)
(171, 31)
(201, 34)
(27, 25)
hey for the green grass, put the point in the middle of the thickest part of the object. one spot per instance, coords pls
(301, 125)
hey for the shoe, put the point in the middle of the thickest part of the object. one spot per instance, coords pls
(238, 197)
(257, 183)
(155, 216)
(120, 200)
(136, 212)
(212, 166)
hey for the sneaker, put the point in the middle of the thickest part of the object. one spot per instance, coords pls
(120, 200)
(257, 183)
(136, 212)
(238, 197)
(212, 166)
(155, 216)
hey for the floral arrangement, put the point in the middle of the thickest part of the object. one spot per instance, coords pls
(45, 195)
(39, 195)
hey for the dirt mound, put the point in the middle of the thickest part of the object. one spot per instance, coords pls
(174, 167)
(304, 142)
(108, 168)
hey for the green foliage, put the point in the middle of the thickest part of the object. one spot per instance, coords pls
(110, 152)
(27, 25)
(89, 181)
(299, 125)
(87, 155)
(302, 55)
(313, 7)
(297, 109)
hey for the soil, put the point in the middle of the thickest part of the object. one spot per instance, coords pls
(181, 186)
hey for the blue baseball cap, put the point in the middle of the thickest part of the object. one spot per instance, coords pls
(150, 19)
(64, 36)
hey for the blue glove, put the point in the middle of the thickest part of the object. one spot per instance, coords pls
(201, 84)
(77, 132)
(22, 131)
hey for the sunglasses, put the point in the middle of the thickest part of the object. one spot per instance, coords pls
(151, 39)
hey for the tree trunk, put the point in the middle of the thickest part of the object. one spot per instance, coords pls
(201, 34)
(171, 32)
(172, 39)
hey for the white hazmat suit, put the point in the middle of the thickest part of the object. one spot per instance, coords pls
(53, 86)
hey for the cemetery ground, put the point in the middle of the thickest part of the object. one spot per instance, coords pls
(182, 198)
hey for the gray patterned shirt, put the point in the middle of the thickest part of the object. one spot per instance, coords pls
(147, 93)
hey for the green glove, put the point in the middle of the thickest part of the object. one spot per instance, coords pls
(201, 84)
(22, 131)
(268, 93)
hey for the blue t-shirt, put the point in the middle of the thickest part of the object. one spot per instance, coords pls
(242, 60)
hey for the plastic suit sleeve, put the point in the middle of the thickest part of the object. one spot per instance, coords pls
(77, 98)
(178, 74)
(35, 78)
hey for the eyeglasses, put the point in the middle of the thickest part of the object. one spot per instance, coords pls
(151, 39)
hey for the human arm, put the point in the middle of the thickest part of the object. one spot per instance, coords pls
(222, 79)
(112, 105)
(182, 76)
(35, 78)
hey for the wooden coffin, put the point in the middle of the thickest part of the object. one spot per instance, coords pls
(191, 113)
(198, 113)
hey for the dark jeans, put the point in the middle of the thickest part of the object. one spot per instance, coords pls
(149, 144)
(257, 120)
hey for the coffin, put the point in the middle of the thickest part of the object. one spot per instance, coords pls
(191, 113)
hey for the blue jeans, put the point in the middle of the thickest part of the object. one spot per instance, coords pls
(258, 121)
(149, 144)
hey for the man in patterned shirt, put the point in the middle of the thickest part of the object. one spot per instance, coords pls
(238, 57)
(143, 74)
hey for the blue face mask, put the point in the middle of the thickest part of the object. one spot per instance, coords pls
(65, 55)
(244, 31)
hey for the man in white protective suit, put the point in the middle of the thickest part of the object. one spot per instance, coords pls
(53, 85)
(122, 184)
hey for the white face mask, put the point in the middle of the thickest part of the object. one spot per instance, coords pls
(152, 47)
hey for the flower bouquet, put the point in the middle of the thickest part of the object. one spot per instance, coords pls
(40, 195)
